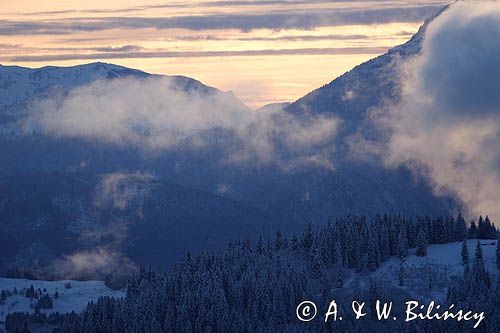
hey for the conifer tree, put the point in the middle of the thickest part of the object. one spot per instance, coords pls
(421, 243)
(279, 243)
(480, 273)
(479, 253)
(465, 253)
(490, 230)
(317, 263)
(461, 228)
(261, 246)
(481, 228)
(373, 254)
(308, 238)
(384, 247)
(373, 291)
(294, 244)
(473, 230)
(338, 267)
(440, 231)
(402, 244)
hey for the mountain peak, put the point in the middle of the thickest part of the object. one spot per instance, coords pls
(367, 85)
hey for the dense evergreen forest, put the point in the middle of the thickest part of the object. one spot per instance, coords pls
(256, 287)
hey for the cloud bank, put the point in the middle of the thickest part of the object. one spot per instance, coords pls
(154, 114)
(107, 53)
(448, 119)
(305, 19)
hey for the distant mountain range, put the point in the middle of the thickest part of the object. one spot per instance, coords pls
(48, 185)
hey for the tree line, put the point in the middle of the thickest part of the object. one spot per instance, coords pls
(249, 287)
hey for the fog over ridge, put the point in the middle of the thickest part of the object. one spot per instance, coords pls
(155, 115)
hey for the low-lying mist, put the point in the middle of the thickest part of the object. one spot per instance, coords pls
(156, 115)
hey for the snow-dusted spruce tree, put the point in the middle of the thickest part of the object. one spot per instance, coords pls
(308, 239)
(465, 253)
(421, 243)
(460, 228)
(488, 230)
(440, 231)
(373, 291)
(384, 246)
(481, 278)
(473, 230)
(402, 244)
(474, 291)
(373, 253)
(481, 228)
(317, 263)
(338, 267)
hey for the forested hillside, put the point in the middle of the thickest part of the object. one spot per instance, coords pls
(257, 287)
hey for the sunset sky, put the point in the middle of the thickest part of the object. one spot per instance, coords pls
(264, 50)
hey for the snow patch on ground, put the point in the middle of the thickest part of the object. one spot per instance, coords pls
(72, 299)
(429, 277)
(449, 254)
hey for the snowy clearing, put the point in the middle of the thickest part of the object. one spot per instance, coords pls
(70, 299)
(429, 277)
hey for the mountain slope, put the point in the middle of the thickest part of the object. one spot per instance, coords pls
(368, 85)
(46, 217)
(212, 195)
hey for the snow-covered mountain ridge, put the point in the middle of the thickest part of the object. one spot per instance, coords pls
(19, 84)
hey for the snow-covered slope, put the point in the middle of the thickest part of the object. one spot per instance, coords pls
(441, 265)
(20, 84)
(70, 299)
(449, 255)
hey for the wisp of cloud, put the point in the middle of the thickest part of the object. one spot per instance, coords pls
(156, 115)
(119, 191)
